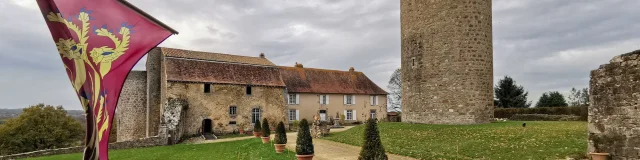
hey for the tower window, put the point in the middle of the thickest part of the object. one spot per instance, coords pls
(413, 62)
(207, 88)
(248, 91)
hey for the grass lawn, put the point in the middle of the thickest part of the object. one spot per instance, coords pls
(498, 140)
(245, 149)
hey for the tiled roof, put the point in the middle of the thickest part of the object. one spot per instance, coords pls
(173, 52)
(311, 80)
(184, 70)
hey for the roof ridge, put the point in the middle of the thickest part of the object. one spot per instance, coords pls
(208, 52)
(335, 70)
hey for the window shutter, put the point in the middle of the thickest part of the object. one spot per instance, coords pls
(288, 102)
(327, 99)
(354, 114)
(353, 99)
(297, 114)
(377, 102)
(297, 98)
(371, 100)
(345, 115)
(320, 97)
(345, 102)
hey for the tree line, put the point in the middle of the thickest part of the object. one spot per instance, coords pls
(507, 94)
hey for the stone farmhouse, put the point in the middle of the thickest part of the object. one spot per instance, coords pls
(224, 92)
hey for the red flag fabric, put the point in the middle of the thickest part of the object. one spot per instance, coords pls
(99, 42)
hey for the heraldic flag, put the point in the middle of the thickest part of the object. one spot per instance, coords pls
(99, 42)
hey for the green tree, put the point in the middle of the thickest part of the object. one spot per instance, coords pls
(281, 137)
(266, 132)
(510, 95)
(40, 127)
(552, 99)
(304, 143)
(372, 148)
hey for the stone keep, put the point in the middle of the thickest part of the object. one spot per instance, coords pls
(447, 61)
(614, 111)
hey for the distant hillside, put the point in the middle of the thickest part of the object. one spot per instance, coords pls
(11, 113)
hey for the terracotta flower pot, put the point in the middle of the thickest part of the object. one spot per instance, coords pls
(280, 148)
(266, 140)
(599, 156)
(257, 134)
(304, 157)
(241, 131)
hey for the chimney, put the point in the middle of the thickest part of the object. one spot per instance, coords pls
(351, 69)
(261, 55)
(298, 65)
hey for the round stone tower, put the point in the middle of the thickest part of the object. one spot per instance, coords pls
(447, 61)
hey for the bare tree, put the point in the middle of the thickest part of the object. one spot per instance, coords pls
(395, 91)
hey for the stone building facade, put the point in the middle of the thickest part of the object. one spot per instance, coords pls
(133, 95)
(223, 93)
(447, 61)
(614, 114)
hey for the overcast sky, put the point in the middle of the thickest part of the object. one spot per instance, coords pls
(545, 45)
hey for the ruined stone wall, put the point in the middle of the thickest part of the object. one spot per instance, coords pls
(154, 82)
(131, 109)
(215, 105)
(614, 114)
(447, 61)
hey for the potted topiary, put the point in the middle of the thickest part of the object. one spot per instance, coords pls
(257, 129)
(600, 140)
(304, 143)
(266, 132)
(280, 138)
(372, 148)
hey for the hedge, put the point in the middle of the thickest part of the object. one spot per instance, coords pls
(580, 111)
(544, 117)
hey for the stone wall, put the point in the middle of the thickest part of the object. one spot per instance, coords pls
(132, 107)
(154, 85)
(137, 143)
(215, 105)
(614, 114)
(447, 61)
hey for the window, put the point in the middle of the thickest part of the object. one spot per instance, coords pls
(292, 115)
(413, 62)
(207, 88)
(372, 113)
(293, 99)
(349, 115)
(248, 91)
(349, 99)
(324, 99)
(233, 110)
(374, 100)
(255, 115)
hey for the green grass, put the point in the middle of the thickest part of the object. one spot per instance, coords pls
(249, 149)
(499, 140)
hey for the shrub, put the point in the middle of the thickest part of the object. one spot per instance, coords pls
(544, 117)
(580, 111)
(266, 132)
(256, 126)
(281, 134)
(304, 143)
(372, 148)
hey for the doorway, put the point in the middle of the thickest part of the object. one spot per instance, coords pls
(323, 115)
(206, 126)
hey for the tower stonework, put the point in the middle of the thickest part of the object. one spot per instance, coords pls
(447, 61)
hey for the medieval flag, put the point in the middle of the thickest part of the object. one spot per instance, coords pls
(99, 42)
